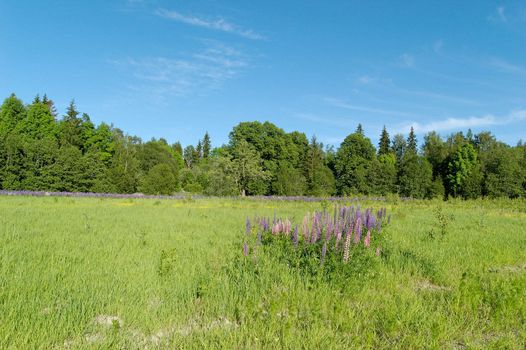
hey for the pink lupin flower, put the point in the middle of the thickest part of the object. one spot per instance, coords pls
(347, 245)
(287, 226)
(338, 235)
(367, 240)
(378, 251)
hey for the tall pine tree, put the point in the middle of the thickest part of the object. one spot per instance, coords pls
(207, 146)
(385, 143)
(411, 141)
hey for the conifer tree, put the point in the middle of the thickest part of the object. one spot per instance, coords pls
(199, 150)
(385, 143)
(207, 146)
(411, 141)
(359, 129)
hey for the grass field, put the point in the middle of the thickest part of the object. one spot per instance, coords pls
(146, 273)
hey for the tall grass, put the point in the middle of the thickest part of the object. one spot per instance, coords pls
(136, 273)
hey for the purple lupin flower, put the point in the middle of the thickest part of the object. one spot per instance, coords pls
(323, 253)
(295, 237)
(329, 231)
(248, 227)
(372, 222)
(358, 230)
(259, 237)
(245, 249)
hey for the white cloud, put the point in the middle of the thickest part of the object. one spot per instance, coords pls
(407, 60)
(437, 46)
(463, 123)
(506, 66)
(342, 104)
(341, 122)
(219, 24)
(365, 80)
(182, 76)
(501, 14)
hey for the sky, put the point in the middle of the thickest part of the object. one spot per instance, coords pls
(176, 69)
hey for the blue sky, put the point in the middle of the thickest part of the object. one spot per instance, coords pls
(179, 68)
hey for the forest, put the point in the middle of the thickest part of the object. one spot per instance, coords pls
(43, 151)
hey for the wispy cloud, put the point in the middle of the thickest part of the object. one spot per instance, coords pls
(181, 76)
(451, 124)
(407, 60)
(438, 96)
(506, 66)
(437, 46)
(219, 24)
(499, 15)
(343, 104)
(327, 120)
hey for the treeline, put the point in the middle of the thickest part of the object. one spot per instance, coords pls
(41, 151)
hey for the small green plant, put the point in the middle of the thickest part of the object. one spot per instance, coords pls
(188, 198)
(87, 225)
(325, 204)
(166, 262)
(443, 222)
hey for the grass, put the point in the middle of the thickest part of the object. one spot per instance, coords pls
(144, 273)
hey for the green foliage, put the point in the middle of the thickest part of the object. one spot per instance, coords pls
(382, 175)
(306, 260)
(39, 123)
(167, 261)
(460, 169)
(415, 176)
(160, 179)
(399, 146)
(444, 220)
(352, 163)
(412, 142)
(436, 152)
(384, 146)
(247, 170)
(39, 152)
(12, 112)
(320, 179)
(504, 174)
(207, 145)
(289, 181)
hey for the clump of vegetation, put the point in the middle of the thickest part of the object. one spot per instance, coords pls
(166, 262)
(443, 222)
(331, 247)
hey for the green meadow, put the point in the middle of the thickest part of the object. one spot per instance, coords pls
(89, 273)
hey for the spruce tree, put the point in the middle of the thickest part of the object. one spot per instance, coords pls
(199, 150)
(385, 143)
(359, 129)
(411, 141)
(207, 146)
